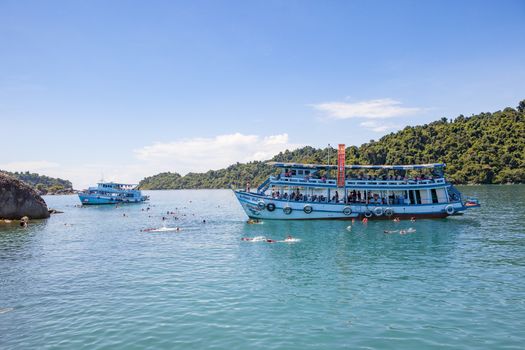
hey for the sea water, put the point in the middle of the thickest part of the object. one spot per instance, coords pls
(92, 278)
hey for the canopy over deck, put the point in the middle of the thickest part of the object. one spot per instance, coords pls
(117, 184)
(356, 166)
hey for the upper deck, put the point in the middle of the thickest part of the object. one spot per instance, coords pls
(114, 187)
(307, 175)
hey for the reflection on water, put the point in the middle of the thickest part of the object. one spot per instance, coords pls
(92, 277)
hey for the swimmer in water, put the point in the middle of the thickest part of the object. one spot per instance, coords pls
(396, 219)
(289, 238)
(365, 220)
(413, 219)
(271, 241)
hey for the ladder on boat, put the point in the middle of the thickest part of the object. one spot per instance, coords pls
(264, 186)
(454, 194)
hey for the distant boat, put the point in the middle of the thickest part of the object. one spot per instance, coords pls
(306, 191)
(111, 193)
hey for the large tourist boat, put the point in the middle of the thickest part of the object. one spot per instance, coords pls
(111, 193)
(307, 191)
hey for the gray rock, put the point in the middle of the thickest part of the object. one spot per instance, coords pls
(18, 199)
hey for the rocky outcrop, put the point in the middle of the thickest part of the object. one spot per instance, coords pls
(17, 200)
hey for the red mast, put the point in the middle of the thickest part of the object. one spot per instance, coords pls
(341, 165)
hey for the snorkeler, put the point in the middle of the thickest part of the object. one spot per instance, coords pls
(390, 231)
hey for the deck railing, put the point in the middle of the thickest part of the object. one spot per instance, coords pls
(358, 182)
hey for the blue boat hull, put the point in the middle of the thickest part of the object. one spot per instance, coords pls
(97, 200)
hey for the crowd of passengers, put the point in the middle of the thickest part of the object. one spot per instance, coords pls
(353, 197)
(362, 177)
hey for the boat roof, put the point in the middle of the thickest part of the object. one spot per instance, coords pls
(116, 183)
(357, 166)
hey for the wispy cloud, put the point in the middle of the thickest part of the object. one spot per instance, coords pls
(201, 154)
(379, 126)
(370, 109)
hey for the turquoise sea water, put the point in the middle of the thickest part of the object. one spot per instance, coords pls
(90, 279)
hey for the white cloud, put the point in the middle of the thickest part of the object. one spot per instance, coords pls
(378, 126)
(32, 166)
(371, 109)
(202, 154)
(182, 156)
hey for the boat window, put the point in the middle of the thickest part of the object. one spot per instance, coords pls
(434, 195)
(418, 196)
(411, 196)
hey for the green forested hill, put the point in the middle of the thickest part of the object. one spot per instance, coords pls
(485, 148)
(43, 184)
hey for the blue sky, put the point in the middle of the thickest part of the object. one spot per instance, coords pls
(131, 88)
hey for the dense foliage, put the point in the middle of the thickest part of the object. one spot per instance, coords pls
(488, 148)
(43, 184)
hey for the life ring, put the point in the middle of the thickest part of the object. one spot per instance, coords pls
(347, 211)
(270, 207)
(450, 209)
(287, 210)
(308, 209)
(261, 205)
(389, 211)
(378, 211)
(368, 213)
